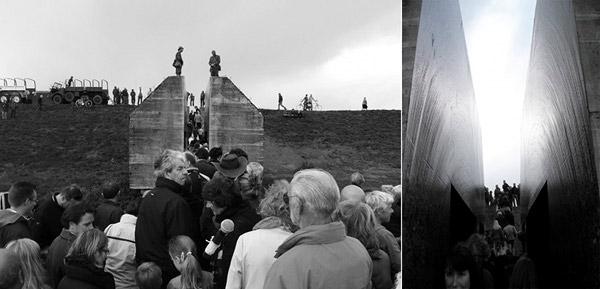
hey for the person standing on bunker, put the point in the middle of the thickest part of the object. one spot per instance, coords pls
(215, 64)
(178, 62)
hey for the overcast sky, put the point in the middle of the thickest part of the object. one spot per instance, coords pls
(340, 51)
(498, 35)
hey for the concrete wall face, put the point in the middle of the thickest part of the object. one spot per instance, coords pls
(442, 146)
(411, 12)
(233, 121)
(155, 125)
(557, 148)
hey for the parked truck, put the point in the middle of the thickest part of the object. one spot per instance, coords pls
(17, 89)
(89, 91)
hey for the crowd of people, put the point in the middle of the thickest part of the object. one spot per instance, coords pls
(123, 96)
(195, 134)
(212, 221)
(496, 258)
(508, 196)
(8, 108)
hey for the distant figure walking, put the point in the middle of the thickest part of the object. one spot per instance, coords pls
(116, 96)
(364, 104)
(140, 97)
(178, 62)
(132, 97)
(202, 96)
(70, 82)
(215, 64)
(280, 104)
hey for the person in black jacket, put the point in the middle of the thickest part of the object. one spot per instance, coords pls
(222, 195)
(164, 214)
(109, 211)
(84, 264)
(49, 211)
(14, 221)
(178, 62)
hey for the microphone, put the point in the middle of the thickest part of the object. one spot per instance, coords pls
(215, 242)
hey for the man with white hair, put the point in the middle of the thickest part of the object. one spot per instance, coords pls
(319, 255)
(164, 214)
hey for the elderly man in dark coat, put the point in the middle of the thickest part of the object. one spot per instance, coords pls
(164, 214)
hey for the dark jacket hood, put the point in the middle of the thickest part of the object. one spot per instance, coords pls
(314, 235)
(169, 184)
(79, 268)
(8, 217)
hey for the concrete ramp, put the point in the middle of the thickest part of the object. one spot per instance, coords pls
(233, 120)
(155, 125)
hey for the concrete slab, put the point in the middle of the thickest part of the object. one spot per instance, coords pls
(155, 125)
(233, 120)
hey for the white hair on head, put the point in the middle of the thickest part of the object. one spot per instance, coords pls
(378, 201)
(165, 163)
(255, 169)
(357, 179)
(318, 191)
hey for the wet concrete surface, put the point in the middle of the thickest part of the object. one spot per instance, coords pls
(442, 143)
(559, 158)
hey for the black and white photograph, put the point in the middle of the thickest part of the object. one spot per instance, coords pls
(501, 146)
(193, 144)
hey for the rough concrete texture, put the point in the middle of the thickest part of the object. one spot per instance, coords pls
(233, 120)
(155, 125)
(558, 171)
(411, 11)
(442, 146)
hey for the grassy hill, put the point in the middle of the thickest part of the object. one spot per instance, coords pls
(59, 146)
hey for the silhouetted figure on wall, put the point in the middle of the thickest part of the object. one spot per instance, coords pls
(505, 186)
(178, 62)
(140, 97)
(70, 82)
(364, 104)
(132, 97)
(116, 96)
(215, 64)
(280, 104)
(124, 96)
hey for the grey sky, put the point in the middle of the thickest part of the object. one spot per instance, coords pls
(340, 51)
(498, 35)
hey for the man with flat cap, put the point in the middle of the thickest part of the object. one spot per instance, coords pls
(178, 62)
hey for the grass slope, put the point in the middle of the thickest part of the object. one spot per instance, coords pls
(59, 146)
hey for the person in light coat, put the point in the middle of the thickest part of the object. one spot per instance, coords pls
(319, 254)
(120, 261)
(254, 251)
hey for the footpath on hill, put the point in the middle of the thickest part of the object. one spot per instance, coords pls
(59, 146)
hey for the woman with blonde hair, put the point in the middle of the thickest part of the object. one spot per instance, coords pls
(34, 274)
(183, 254)
(84, 263)
(255, 250)
(359, 220)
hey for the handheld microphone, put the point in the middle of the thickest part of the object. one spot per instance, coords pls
(215, 242)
